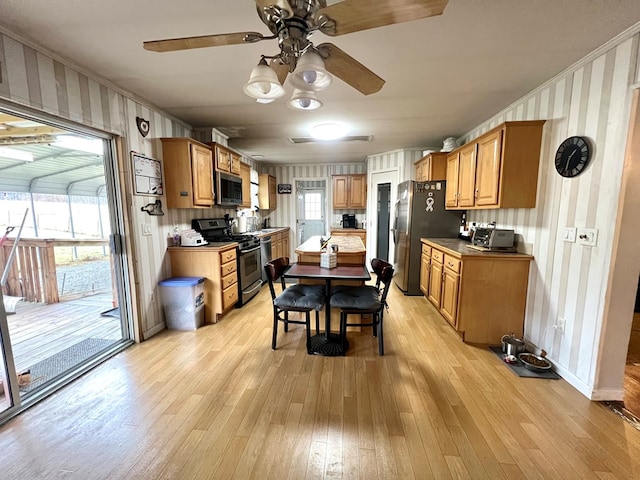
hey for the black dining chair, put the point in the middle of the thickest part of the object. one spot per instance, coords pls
(294, 298)
(364, 300)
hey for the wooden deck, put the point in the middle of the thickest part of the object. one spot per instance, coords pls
(40, 330)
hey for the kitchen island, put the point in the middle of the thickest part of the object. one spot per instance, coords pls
(351, 250)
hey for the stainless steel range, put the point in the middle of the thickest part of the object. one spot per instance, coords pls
(216, 230)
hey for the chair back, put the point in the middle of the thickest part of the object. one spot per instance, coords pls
(378, 266)
(385, 277)
(274, 270)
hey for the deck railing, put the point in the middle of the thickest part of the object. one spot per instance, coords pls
(33, 271)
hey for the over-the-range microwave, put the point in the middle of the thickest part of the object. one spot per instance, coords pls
(228, 189)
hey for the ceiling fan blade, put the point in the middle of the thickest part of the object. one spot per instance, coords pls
(282, 5)
(349, 70)
(281, 70)
(186, 43)
(355, 15)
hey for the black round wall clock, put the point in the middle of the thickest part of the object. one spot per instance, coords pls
(573, 156)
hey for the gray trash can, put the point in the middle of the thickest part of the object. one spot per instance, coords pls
(183, 302)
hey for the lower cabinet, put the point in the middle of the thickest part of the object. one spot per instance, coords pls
(219, 268)
(481, 295)
(424, 269)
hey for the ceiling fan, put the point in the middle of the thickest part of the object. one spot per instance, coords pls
(292, 22)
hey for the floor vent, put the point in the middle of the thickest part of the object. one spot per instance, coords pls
(352, 138)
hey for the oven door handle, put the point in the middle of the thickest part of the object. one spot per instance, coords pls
(242, 252)
(257, 287)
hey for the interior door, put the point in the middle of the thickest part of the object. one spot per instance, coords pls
(376, 224)
(311, 208)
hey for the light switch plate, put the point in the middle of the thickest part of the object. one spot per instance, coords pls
(146, 229)
(588, 236)
(570, 234)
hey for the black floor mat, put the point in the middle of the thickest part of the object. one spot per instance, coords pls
(63, 361)
(521, 371)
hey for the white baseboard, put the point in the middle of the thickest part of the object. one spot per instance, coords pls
(614, 395)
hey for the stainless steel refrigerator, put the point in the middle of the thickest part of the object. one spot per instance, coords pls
(419, 212)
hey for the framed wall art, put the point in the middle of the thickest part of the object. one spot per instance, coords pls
(284, 188)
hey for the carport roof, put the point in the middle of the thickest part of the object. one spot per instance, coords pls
(33, 159)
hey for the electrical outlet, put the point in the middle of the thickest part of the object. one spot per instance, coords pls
(559, 326)
(588, 236)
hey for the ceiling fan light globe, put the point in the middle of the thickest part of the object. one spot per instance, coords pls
(304, 100)
(310, 71)
(263, 83)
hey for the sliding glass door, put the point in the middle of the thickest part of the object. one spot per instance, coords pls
(65, 306)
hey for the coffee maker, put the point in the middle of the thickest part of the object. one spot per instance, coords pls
(349, 220)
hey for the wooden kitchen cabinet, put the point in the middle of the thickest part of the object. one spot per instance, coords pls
(218, 266)
(350, 191)
(425, 265)
(279, 242)
(276, 245)
(482, 295)
(450, 287)
(286, 251)
(434, 293)
(245, 174)
(188, 172)
(432, 166)
(225, 159)
(497, 170)
(461, 174)
(267, 196)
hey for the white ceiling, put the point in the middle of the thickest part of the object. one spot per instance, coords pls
(444, 75)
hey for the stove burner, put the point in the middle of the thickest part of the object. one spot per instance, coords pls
(227, 238)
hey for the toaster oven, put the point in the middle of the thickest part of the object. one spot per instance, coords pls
(493, 238)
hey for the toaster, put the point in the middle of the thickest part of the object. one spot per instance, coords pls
(493, 238)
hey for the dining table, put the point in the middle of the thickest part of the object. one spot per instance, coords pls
(327, 343)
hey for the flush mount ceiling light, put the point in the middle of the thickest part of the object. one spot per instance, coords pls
(328, 131)
(292, 23)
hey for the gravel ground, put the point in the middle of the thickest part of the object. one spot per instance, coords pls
(84, 277)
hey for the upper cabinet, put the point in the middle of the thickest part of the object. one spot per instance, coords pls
(188, 171)
(226, 160)
(432, 166)
(245, 174)
(267, 197)
(350, 191)
(497, 170)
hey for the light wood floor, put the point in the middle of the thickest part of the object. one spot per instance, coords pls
(219, 403)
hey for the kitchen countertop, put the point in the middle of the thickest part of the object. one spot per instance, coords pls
(211, 246)
(460, 248)
(265, 232)
(346, 244)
